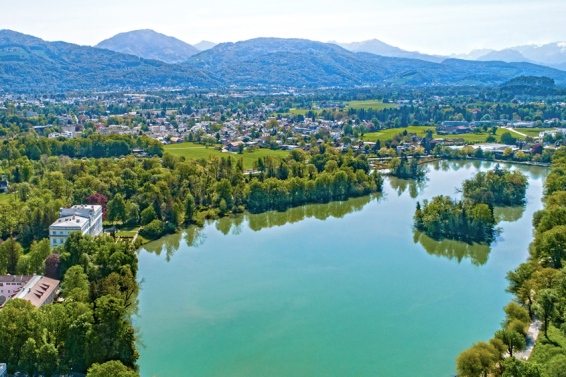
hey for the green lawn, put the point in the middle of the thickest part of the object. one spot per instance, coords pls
(374, 105)
(421, 131)
(131, 234)
(197, 151)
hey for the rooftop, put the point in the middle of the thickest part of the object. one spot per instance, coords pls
(86, 206)
(37, 290)
(15, 278)
(70, 221)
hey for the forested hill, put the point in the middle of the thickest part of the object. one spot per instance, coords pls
(29, 63)
(149, 44)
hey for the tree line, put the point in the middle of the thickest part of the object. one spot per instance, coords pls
(163, 194)
(405, 169)
(539, 287)
(93, 146)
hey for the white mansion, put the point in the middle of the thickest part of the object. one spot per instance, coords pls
(86, 219)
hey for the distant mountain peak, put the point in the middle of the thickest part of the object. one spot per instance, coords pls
(149, 44)
(204, 45)
(507, 55)
(377, 47)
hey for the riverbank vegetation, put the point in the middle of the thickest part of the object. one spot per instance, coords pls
(539, 287)
(471, 219)
(464, 220)
(497, 187)
(405, 169)
(171, 192)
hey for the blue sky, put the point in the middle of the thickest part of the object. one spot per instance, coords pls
(432, 26)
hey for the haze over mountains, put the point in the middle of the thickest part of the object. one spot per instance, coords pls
(378, 47)
(204, 45)
(29, 63)
(152, 45)
(551, 54)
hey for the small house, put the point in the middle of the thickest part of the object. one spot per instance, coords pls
(4, 184)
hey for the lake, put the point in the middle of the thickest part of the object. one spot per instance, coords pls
(339, 289)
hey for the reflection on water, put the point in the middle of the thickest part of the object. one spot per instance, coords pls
(401, 185)
(233, 292)
(509, 214)
(477, 253)
(194, 236)
(535, 172)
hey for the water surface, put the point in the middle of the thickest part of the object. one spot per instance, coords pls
(342, 289)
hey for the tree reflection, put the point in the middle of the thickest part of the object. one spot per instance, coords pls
(509, 214)
(195, 236)
(477, 253)
(401, 185)
(318, 211)
(192, 236)
(534, 171)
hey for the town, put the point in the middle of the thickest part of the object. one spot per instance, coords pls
(243, 121)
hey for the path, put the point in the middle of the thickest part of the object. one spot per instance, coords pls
(532, 336)
(136, 236)
(514, 130)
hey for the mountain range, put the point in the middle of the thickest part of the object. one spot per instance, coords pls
(29, 63)
(149, 44)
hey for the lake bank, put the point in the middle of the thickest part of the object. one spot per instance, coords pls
(334, 289)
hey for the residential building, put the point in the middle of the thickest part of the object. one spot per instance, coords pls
(4, 184)
(86, 219)
(523, 124)
(37, 289)
(10, 285)
(453, 127)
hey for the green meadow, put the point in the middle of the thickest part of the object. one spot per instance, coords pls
(373, 105)
(198, 151)
(389, 133)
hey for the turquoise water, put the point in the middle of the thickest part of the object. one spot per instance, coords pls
(344, 289)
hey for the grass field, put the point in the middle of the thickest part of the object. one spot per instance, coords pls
(197, 151)
(421, 131)
(532, 132)
(127, 231)
(374, 105)
(303, 111)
